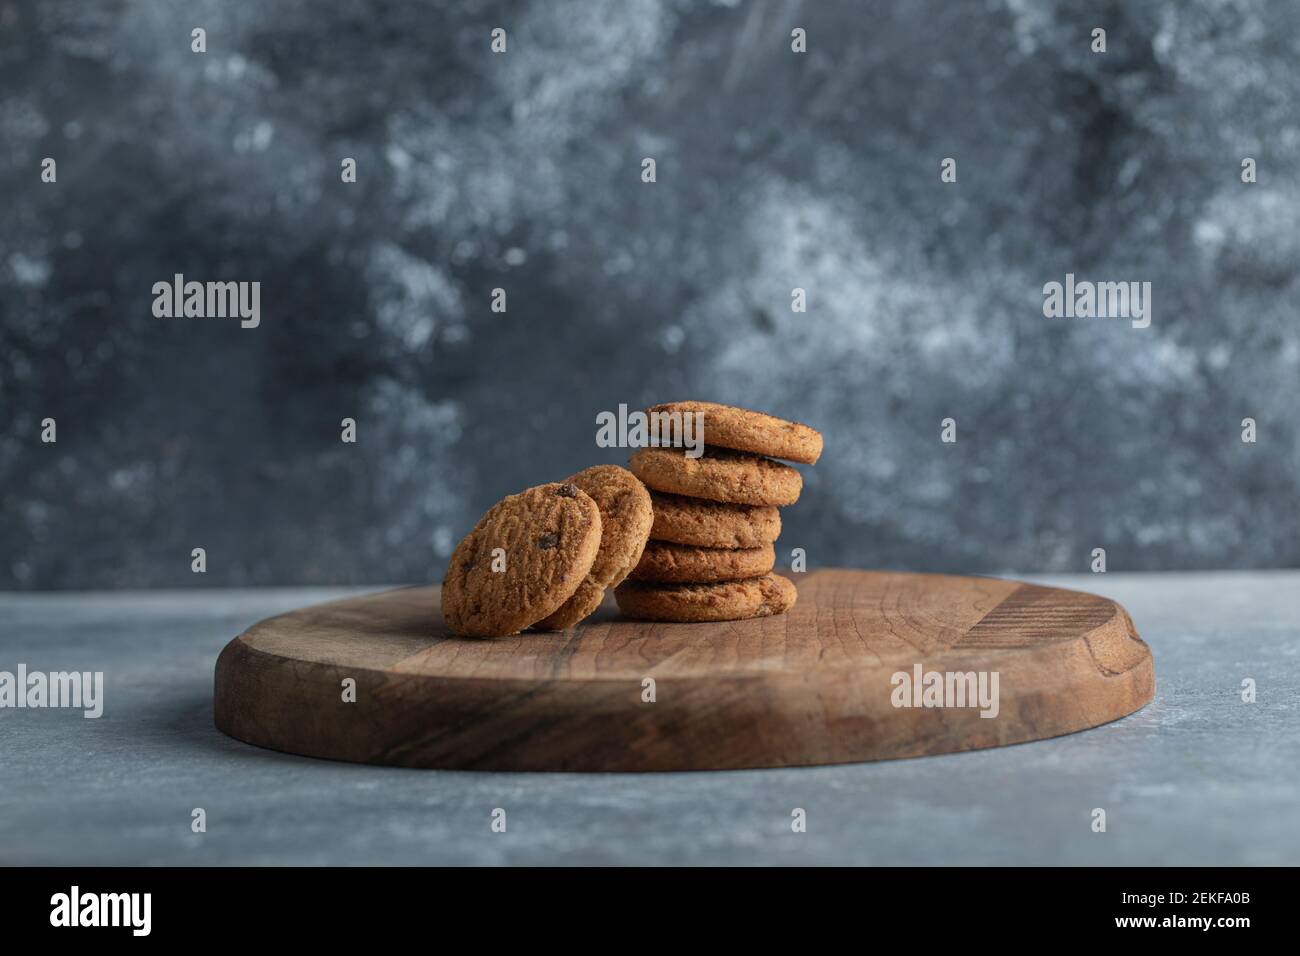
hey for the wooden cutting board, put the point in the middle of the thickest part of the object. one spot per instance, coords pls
(816, 685)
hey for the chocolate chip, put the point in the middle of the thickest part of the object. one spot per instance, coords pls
(548, 541)
(567, 491)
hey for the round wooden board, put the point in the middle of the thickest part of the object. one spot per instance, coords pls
(813, 686)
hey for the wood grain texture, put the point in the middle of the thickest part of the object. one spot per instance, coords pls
(812, 686)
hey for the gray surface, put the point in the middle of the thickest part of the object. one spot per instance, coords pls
(521, 171)
(1196, 777)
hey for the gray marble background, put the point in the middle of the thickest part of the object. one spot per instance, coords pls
(521, 171)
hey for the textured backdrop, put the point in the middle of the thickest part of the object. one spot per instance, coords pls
(522, 171)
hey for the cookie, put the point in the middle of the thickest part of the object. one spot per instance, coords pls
(549, 537)
(585, 601)
(712, 524)
(668, 563)
(728, 601)
(625, 519)
(718, 475)
(754, 432)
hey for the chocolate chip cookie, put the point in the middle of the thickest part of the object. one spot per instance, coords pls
(668, 563)
(718, 475)
(729, 427)
(727, 601)
(625, 519)
(548, 538)
(712, 524)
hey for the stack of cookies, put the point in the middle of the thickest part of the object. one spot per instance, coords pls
(698, 547)
(711, 550)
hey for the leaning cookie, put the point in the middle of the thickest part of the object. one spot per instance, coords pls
(718, 475)
(712, 524)
(625, 519)
(691, 603)
(745, 430)
(523, 560)
(668, 563)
